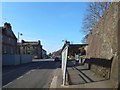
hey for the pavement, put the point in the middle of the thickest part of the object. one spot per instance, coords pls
(80, 77)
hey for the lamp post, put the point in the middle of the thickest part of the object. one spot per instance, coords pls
(19, 36)
(20, 45)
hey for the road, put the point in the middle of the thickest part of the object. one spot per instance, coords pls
(37, 74)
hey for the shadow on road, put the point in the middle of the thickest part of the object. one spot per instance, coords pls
(10, 73)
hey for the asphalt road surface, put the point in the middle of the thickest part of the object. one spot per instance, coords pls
(37, 74)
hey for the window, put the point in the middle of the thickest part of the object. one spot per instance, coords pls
(4, 50)
(23, 47)
(9, 38)
(28, 48)
(33, 47)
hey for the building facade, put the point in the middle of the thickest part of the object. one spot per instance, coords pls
(9, 40)
(30, 47)
(44, 54)
(56, 54)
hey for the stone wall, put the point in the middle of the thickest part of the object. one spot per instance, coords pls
(119, 45)
(103, 43)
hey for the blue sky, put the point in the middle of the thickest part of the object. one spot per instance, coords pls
(49, 22)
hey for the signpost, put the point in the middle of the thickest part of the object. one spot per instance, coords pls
(64, 63)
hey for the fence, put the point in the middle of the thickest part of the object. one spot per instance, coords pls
(16, 59)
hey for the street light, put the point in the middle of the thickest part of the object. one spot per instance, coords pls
(20, 46)
(19, 36)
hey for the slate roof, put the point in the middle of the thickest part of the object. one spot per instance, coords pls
(7, 32)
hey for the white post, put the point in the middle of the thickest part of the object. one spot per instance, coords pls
(64, 63)
(19, 36)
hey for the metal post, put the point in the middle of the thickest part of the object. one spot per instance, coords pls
(20, 45)
(19, 36)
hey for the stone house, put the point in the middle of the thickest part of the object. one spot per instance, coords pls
(74, 49)
(33, 48)
(44, 54)
(9, 40)
(56, 54)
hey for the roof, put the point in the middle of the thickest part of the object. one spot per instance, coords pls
(44, 50)
(78, 45)
(74, 47)
(30, 42)
(8, 32)
(57, 53)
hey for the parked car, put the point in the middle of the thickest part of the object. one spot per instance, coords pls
(56, 59)
(35, 57)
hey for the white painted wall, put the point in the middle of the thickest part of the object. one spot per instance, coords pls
(8, 60)
(26, 59)
(15, 59)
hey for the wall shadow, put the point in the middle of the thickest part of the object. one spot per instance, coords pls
(100, 62)
(73, 63)
(96, 61)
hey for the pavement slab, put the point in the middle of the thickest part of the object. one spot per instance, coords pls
(82, 77)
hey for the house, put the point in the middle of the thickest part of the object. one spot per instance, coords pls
(56, 54)
(44, 54)
(73, 49)
(33, 48)
(9, 47)
(9, 40)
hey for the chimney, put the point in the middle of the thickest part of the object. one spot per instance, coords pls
(39, 42)
(7, 26)
(22, 41)
(67, 42)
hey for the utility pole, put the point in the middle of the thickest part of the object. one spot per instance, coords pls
(20, 45)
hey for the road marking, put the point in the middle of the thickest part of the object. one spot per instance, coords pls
(33, 70)
(20, 77)
(54, 82)
(28, 72)
(7, 84)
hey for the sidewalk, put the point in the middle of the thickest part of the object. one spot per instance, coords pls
(81, 77)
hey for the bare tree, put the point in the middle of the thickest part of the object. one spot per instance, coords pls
(95, 10)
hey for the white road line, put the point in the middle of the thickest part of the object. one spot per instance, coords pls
(33, 70)
(28, 72)
(7, 84)
(34, 60)
(54, 82)
(20, 77)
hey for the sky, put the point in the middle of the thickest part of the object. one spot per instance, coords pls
(49, 22)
